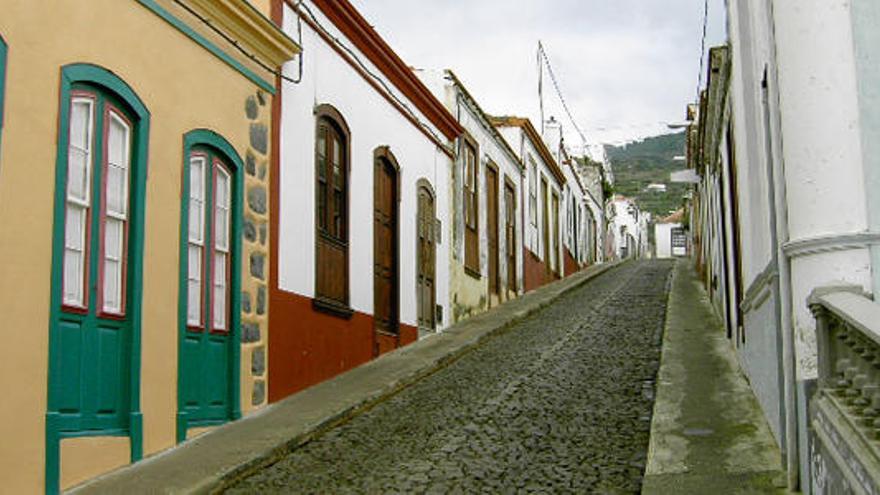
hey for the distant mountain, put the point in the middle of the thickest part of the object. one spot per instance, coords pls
(638, 164)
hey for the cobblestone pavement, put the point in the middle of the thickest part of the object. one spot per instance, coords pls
(561, 402)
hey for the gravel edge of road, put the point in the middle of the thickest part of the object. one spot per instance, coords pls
(214, 461)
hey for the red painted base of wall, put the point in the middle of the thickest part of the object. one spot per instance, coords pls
(307, 346)
(533, 271)
(386, 342)
(571, 264)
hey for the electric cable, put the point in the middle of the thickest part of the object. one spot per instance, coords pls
(543, 54)
(297, 7)
(703, 48)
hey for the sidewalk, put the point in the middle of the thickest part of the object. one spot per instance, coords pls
(708, 434)
(213, 461)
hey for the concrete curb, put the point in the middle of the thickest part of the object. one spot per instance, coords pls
(212, 462)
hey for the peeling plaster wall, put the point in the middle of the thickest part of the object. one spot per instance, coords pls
(470, 295)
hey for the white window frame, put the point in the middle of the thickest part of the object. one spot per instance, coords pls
(220, 278)
(75, 293)
(196, 240)
(114, 303)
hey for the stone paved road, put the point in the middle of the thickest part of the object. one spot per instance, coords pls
(560, 402)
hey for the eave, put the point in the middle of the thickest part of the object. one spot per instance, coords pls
(241, 21)
(527, 127)
(487, 119)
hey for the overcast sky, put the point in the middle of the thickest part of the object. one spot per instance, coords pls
(624, 66)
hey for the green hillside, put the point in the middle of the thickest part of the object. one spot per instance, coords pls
(649, 162)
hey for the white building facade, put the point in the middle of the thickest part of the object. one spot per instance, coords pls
(485, 190)
(542, 199)
(363, 205)
(785, 206)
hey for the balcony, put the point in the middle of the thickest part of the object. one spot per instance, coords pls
(845, 411)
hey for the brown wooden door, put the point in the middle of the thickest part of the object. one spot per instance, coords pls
(554, 243)
(546, 226)
(425, 259)
(492, 228)
(385, 219)
(510, 234)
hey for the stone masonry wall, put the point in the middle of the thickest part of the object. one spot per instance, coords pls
(255, 255)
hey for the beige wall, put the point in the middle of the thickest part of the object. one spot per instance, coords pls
(184, 87)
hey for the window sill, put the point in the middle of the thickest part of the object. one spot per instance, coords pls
(473, 273)
(332, 307)
(387, 333)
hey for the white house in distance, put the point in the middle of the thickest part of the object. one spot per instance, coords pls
(361, 203)
(627, 224)
(669, 236)
(486, 184)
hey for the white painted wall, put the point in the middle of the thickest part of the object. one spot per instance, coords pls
(492, 149)
(628, 220)
(528, 153)
(374, 122)
(663, 239)
(572, 237)
(819, 113)
(804, 121)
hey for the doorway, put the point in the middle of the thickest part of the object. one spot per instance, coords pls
(385, 248)
(492, 228)
(426, 256)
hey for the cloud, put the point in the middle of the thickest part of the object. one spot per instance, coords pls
(623, 66)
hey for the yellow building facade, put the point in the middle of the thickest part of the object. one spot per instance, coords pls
(135, 148)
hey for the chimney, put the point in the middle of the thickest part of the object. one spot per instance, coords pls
(553, 138)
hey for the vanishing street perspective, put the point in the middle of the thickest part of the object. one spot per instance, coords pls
(440, 246)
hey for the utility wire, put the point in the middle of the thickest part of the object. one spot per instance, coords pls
(540, 86)
(543, 55)
(412, 113)
(234, 42)
(298, 7)
(703, 48)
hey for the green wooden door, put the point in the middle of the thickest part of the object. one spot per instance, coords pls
(208, 361)
(89, 375)
(97, 263)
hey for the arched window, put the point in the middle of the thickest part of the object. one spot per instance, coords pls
(331, 211)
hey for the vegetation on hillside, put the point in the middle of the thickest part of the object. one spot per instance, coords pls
(650, 161)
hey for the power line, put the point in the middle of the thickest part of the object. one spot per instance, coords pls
(381, 81)
(298, 7)
(703, 47)
(543, 55)
(234, 42)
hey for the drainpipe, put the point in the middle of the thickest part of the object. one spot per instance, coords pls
(783, 266)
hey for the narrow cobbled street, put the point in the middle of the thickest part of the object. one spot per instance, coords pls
(560, 402)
